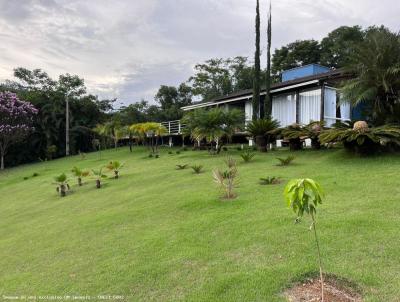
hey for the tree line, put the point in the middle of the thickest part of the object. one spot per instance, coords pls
(211, 79)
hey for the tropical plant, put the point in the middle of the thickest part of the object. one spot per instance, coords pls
(149, 131)
(227, 180)
(256, 100)
(79, 174)
(197, 169)
(213, 125)
(98, 175)
(270, 180)
(230, 161)
(115, 166)
(375, 64)
(303, 196)
(247, 156)
(286, 161)
(262, 131)
(361, 139)
(296, 133)
(181, 167)
(62, 184)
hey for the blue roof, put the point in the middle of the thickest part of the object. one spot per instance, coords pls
(303, 71)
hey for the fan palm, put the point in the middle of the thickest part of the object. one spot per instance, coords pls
(115, 166)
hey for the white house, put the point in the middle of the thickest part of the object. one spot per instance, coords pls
(307, 93)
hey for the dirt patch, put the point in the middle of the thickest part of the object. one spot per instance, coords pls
(310, 291)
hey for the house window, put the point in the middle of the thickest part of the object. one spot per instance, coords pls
(309, 106)
(284, 109)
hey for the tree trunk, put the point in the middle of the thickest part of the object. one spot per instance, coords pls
(319, 258)
(80, 181)
(116, 174)
(62, 191)
(261, 143)
(2, 161)
(98, 184)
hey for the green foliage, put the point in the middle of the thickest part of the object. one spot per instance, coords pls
(212, 125)
(257, 69)
(303, 196)
(35, 174)
(62, 184)
(170, 152)
(270, 180)
(376, 66)
(78, 173)
(178, 152)
(115, 166)
(286, 161)
(181, 167)
(247, 156)
(227, 180)
(295, 133)
(197, 169)
(363, 141)
(98, 174)
(262, 127)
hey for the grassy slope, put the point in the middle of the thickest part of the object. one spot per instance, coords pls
(162, 234)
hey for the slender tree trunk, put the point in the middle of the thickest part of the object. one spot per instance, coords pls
(80, 181)
(319, 258)
(116, 174)
(2, 161)
(98, 184)
(66, 126)
(257, 72)
(268, 101)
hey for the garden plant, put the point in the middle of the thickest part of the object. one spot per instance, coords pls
(79, 174)
(62, 184)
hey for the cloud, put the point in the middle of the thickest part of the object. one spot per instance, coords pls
(127, 49)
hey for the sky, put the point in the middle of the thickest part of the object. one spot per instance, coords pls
(126, 49)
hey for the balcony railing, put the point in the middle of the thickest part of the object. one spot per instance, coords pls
(173, 127)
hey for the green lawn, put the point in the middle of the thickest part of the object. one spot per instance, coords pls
(159, 234)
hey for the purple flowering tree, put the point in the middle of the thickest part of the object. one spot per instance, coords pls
(16, 119)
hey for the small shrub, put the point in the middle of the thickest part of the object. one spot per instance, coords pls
(99, 175)
(197, 169)
(225, 149)
(230, 162)
(247, 156)
(35, 174)
(181, 167)
(170, 152)
(115, 166)
(79, 174)
(286, 161)
(178, 152)
(150, 155)
(157, 156)
(62, 184)
(227, 179)
(26, 178)
(270, 180)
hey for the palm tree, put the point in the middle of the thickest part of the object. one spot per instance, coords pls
(259, 130)
(376, 66)
(149, 130)
(115, 166)
(214, 124)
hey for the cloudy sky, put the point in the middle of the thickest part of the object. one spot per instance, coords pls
(128, 48)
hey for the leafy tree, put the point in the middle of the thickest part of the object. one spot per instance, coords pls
(151, 131)
(257, 70)
(295, 54)
(112, 129)
(171, 99)
(16, 119)
(260, 130)
(338, 46)
(303, 196)
(375, 63)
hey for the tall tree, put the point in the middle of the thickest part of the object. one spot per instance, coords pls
(295, 54)
(376, 66)
(338, 46)
(268, 101)
(257, 68)
(16, 119)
